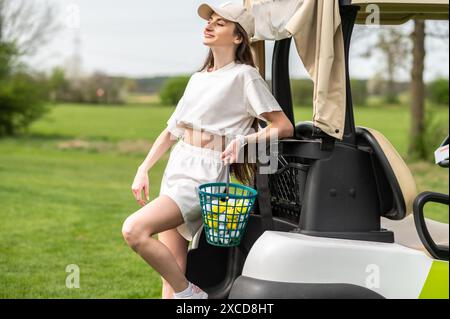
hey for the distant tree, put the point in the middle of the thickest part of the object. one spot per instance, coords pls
(173, 90)
(22, 101)
(25, 26)
(359, 92)
(394, 46)
(376, 85)
(437, 91)
(101, 88)
(58, 85)
(302, 92)
(418, 136)
(7, 52)
(403, 48)
(150, 85)
(416, 146)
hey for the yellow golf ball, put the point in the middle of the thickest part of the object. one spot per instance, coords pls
(212, 224)
(218, 208)
(231, 225)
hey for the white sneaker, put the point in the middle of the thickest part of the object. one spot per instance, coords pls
(197, 293)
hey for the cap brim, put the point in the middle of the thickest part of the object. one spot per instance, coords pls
(205, 11)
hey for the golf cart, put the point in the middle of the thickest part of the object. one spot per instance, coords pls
(339, 218)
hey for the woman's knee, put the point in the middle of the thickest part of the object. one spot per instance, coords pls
(132, 235)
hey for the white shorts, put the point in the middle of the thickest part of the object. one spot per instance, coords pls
(188, 167)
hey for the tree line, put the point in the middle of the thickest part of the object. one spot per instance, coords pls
(25, 95)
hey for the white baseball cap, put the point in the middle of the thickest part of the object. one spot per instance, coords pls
(231, 11)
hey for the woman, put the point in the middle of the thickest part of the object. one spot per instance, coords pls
(229, 94)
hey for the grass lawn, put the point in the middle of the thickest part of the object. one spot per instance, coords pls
(65, 192)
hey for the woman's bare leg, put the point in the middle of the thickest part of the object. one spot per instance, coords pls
(159, 215)
(178, 246)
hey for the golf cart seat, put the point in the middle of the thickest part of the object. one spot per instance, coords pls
(398, 218)
(395, 185)
(396, 173)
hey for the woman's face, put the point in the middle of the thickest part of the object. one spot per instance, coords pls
(219, 32)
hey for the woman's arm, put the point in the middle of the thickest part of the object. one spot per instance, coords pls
(280, 127)
(162, 143)
(140, 182)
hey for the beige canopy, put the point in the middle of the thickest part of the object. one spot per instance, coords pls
(316, 28)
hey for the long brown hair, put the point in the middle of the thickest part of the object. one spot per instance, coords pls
(243, 172)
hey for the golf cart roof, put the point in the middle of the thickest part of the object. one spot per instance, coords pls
(401, 11)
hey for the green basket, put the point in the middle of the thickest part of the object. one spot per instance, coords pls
(225, 214)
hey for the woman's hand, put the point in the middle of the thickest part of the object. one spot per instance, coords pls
(140, 182)
(231, 153)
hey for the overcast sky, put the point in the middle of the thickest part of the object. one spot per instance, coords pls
(143, 38)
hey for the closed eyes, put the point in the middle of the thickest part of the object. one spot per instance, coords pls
(221, 23)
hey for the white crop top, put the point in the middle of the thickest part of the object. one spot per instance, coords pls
(224, 102)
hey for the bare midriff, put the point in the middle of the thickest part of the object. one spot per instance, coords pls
(204, 139)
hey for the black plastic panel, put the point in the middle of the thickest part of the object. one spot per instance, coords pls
(251, 288)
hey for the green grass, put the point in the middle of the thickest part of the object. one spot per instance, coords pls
(67, 207)
(109, 123)
(65, 190)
